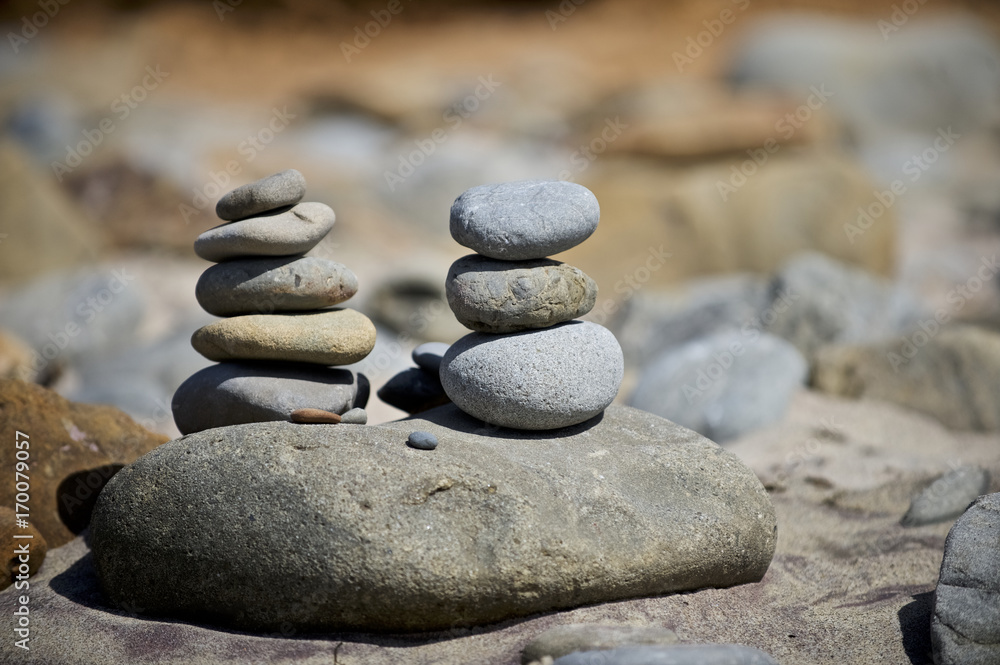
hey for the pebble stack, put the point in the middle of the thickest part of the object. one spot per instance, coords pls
(280, 337)
(528, 365)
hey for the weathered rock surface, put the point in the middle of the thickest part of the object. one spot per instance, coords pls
(526, 219)
(494, 296)
(952, 376)
(723, 385)
(280, 233)
(965, 629)
(331, 337)
(539, 379)
(266, 285)
(235, 393)
(492, 524)
(73, 450)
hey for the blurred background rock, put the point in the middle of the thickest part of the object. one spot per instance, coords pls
(731, 144)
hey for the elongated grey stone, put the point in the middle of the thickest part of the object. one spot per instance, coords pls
(235, 393)
(494, 296)
(275, 191)
(527, 219)
(948, 496)
(680, 654)
(282, 233)
(266, 285)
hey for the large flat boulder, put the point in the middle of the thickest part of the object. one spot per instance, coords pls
(332, 527)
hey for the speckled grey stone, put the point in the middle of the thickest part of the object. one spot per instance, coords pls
(275, 526)
(428, 356)
(275, 191)
(527, 219)
(680, 654)
(723, 385)
(494, 296)
(284, 233)
(265, 285)
(965, 627)
(540, 379)
(355, 416)
(566, 639)
(237, 393)
(422, 441)
(948, 496)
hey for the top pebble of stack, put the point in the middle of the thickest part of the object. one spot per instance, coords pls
(276, 191)
(528, 219)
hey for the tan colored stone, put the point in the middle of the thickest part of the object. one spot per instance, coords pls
(15, 358)
(74, 449)
(334, 337)
(315, 416)
(35, 542)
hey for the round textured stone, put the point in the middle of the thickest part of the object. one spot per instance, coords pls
(355, 416)
(283, 233)
(541, 379)
(428, 356)
(246, 392)
(422, 441)
(494, 296)
(275, 191)
(265, 285)
(333, 337)
(528, 219)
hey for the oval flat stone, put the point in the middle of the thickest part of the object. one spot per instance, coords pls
(275, 191)
(282, 233)
(541, 379)
(265, 285)
(277, 526)
(527, 219)
(355, 416)
(494, 296)
(235, 393)
(333, 337)
(422, 441)
(314, 417)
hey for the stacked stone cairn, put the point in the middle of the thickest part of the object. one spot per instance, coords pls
(530, 365)
(279, 338)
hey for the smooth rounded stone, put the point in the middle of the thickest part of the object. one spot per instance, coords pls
(355, 416)
(266, 285)
(527, 219)
(723, 385)
(948, 496)
(494, 296)
(428, 356)
(817, 300)
(388, 538)
(332, 337)
(951, 377)
(563, 640)
(422, 441)
(314, 417)
(681, 654)
(235, 393)
(279, 233)
(275, 191)
(540, 379)
(965, 626)
(413, 390)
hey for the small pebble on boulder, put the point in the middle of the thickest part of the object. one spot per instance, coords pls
(422, 441)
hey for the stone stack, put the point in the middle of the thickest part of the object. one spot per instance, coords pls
(278, 339)
(529, 365)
